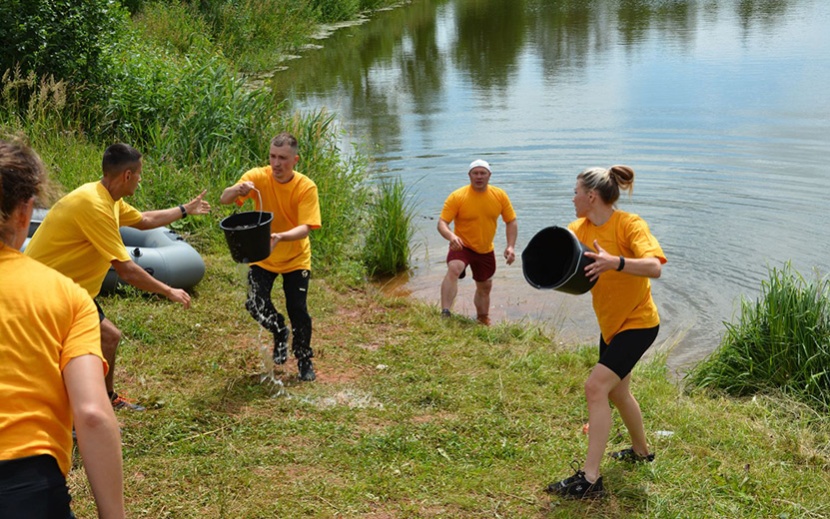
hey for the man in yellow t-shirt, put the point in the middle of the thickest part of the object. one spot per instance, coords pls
(80, 238)
(52, 372)
(475, 210)
(292, 198)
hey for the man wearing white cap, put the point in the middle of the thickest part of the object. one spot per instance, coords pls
(475, 209)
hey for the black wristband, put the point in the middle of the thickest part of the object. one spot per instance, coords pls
(183, 210)
(622, 264)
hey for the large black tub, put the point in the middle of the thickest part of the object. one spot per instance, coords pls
(555, 259)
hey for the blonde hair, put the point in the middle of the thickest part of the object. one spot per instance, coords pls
(608, 182)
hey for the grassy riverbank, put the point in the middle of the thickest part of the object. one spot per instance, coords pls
(415, 416)
(412, 415)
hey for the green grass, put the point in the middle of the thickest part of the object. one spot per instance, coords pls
(387, 248)
(416, 416)
(780, 342)
(412, 415)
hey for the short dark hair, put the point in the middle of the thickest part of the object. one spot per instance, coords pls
(119, 157)
(22, 174)
(286, 138)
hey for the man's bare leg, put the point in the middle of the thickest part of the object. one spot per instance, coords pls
(482, 300)
(110, 337)
(449, 287)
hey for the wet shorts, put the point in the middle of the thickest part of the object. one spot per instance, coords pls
(482, 265)
(626, 349)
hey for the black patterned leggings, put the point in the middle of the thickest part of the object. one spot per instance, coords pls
(261, 308)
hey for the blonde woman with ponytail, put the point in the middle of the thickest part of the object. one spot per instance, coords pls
(627, 256)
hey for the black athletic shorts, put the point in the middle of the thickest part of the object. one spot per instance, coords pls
(33, 487)
(626, 349)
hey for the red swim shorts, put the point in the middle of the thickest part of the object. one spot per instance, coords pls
(482, 265)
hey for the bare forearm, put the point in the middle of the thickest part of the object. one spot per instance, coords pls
(99, 443)
(230, 194)
(99, 440)
(132, 274)
(646, 267)
(512, 231)
(153, 219)
(444, 230)
(159, 218)
(297, 233)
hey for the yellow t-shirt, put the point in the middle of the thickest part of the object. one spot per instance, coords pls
(79, 236)
(293, 203)
(621, 301)
(46, 320)
(476, 215)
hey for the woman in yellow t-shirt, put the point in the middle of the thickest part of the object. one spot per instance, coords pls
(626, 256)
(51, 374)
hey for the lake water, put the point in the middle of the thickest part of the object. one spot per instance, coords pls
(721, 108)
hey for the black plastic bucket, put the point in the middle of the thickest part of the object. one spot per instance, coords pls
(555, 259)
(248, 235)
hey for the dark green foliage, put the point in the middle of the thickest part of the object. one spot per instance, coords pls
(66, 39)
(186, 110)
(782, 341)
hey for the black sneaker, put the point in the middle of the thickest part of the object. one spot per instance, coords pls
(576, 486)
(446, 312)
(306, 370)
(629, 456)
(281, 346)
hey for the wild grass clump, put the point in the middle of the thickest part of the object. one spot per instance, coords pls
(782, 341)
(26, 100)
(256, 34)
(387, 248)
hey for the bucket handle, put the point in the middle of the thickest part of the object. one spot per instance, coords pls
(259, 195)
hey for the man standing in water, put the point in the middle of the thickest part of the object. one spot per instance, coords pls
(292, 198)
(79, 238)
(475, 210)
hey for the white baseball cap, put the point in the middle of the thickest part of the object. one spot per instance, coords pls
(478, 163)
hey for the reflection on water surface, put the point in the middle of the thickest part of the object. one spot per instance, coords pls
(719, 106)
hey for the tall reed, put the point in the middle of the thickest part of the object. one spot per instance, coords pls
(782, 341)
(387, 248)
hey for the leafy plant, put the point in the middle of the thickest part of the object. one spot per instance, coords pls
(782, 341)
(66, 39)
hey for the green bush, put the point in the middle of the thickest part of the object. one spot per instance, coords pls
(67, 39)
(782, 341)
(189, 111)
